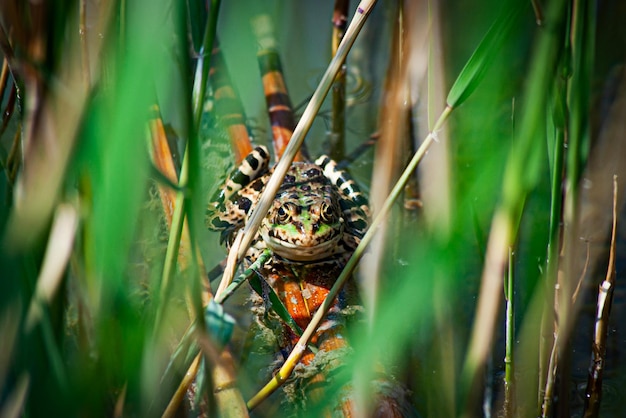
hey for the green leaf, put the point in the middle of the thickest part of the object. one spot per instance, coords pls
(263, 289)
(479, 62)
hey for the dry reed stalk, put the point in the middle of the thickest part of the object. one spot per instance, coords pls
(593, 393)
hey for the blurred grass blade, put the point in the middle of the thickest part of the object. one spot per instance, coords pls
(9, 326)
(118, 161)
(58, 251)
(475, 68)
(14, 403)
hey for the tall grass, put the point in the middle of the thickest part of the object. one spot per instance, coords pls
(104, 252)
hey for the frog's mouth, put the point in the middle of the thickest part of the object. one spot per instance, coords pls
(299, 247)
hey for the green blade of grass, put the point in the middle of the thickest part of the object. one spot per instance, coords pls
(244, 276)
(475, 68)
(262, 288)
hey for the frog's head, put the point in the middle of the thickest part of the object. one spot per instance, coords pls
(304, 222)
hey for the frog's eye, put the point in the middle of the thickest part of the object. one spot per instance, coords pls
(328, 213)
(283, 215)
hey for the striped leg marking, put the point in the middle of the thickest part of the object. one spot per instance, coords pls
(218, 218)
(353, 203)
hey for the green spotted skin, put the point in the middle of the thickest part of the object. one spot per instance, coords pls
(318, 213)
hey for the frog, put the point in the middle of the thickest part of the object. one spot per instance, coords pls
(318, 215)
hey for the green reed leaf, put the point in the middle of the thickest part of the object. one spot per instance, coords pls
(264, 290)
(476, 67)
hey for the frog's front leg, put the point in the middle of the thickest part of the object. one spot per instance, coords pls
(229, 205)
(355, 210)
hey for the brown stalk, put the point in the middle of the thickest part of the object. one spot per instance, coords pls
(338, 119)
(593, 393)
(230, 403)
(393, 122)
(4, 76)
(179, 396)
(165, 164)
(277, 99)
(548, 392)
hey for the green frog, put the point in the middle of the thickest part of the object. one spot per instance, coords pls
(318, 215)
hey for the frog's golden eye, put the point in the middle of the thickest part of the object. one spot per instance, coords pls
(283, 214)
(327, 213)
